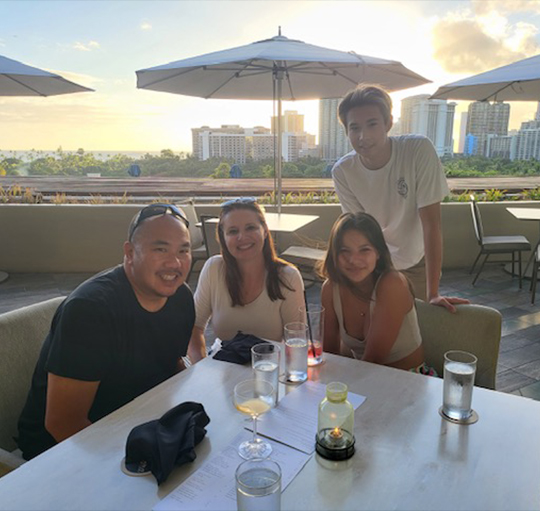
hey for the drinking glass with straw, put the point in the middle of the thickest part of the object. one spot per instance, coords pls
(314, 315)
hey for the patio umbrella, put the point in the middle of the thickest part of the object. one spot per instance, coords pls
(18, 79)
(280, 69)
(519, 81)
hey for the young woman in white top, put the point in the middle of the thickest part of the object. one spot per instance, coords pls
(369, 307)
(247, 288)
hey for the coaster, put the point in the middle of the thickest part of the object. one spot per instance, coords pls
(470, 420)
(134, 469)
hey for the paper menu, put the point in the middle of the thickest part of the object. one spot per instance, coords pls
(213, 486)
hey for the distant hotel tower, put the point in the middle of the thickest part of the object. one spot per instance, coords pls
(433, 118)
(485, 119)
(333, 142)
(236, 143)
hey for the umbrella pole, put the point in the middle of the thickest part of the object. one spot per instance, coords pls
(279, 78)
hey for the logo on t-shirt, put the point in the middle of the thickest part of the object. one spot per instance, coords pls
(402, 187)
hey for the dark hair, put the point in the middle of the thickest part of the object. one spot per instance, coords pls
(365, 95)
(157, 209)
(272, 263)
(370, 228)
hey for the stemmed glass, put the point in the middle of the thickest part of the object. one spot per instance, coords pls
(253, 398)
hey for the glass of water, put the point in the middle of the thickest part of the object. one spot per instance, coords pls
(265, 360)
(296, 352)
(459, 373)
(258, 486)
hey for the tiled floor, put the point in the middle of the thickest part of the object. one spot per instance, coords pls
(519, 359)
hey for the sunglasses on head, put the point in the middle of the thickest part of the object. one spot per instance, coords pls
(239, 200)
(157, 210)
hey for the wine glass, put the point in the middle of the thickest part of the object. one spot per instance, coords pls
(253, 398)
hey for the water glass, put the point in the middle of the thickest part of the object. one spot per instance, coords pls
(265, 360)
(314, 315)
(296, 352)
(258, 486)
(459, 373)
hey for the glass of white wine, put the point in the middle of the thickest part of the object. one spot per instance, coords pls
(253, 398)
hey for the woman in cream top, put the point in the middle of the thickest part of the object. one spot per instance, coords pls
(369, 307)
(247, 288)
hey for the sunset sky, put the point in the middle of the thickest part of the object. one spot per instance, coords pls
(100, 44)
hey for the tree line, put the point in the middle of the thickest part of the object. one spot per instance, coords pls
(171, 164)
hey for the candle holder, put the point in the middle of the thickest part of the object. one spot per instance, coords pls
(335, 438)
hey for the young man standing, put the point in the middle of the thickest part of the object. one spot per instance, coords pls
(117, 335)
(398, 180)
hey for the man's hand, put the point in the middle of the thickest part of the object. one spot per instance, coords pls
(447, 302)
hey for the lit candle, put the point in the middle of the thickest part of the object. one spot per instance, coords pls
(336, 434)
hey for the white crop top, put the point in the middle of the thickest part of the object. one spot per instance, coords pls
(407, 341)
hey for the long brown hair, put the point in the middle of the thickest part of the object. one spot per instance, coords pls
(369, 227)
(272, 263)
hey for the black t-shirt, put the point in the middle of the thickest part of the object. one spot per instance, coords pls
(101, 333)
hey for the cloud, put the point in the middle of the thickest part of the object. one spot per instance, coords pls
(482, 7)
(469, 43)
(145, 26)
(91, 45)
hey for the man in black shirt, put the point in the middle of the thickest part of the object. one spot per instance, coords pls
(117, 335)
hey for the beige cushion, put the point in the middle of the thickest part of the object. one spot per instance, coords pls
(473, 328)
(22, 333)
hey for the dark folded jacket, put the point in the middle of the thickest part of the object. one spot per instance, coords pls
(238, 349)
(161, 444)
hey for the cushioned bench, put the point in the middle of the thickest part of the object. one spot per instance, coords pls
(22, 333)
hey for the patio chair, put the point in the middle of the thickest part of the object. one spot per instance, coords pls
(473, 328)
(22, 333)
(209, 231)
(199, 251)
(496, 244)
(534, 278)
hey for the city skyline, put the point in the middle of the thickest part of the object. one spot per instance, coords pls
(102, 44)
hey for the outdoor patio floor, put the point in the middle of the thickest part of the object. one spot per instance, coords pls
(519, 358)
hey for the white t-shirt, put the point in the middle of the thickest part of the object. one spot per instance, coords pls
(262, 317)
(413, 178)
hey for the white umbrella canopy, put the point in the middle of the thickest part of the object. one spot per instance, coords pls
(309, 72)
(519, 81)
(280, 69)
(18, 79)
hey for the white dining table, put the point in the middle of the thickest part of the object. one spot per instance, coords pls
(407, 456)
(282, 222)
(531, 215)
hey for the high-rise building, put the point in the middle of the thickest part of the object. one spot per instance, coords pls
(487, 119)
(333, 142)
(502, 146)
(528, 141)
(229, 141)
(462, 133)
(291, 121)
(237, 143)
(433, 118)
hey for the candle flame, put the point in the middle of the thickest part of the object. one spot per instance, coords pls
(336, 432)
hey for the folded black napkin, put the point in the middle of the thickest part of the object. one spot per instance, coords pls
(238, 349)
(161, 444)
